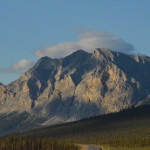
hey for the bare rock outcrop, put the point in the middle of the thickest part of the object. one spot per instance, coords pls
(78, 86)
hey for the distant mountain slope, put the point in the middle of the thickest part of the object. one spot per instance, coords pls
(78, 86)
(9, 122)
(146, 101)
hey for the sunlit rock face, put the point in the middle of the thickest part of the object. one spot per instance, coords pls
(78, 86)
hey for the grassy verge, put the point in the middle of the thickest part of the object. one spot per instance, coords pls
(106, 147)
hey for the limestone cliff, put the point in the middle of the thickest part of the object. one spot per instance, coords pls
(78, 86)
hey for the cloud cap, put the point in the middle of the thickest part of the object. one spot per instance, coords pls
(87, 41)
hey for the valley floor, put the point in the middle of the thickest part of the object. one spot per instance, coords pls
(129, 128)
(105, 147)
(121, 148)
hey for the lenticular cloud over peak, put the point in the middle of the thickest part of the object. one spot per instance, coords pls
(87, 41)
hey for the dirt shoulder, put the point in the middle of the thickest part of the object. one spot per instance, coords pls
(89, 147)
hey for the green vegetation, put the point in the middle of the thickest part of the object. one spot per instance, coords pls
(16, 142)
(105, 147)
(129, 128)
(126, 130)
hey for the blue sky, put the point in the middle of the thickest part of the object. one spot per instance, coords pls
(31, 29)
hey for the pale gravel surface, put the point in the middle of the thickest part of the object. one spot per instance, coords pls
(89, 147)
(93, 147)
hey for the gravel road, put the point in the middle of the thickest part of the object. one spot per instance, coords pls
(93, 148)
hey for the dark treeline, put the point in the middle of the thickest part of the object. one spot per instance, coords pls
(129, 128)
(18, 142)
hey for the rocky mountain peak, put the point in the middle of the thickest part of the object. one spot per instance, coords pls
(79, 52)
(103, 54)
(43, 62)
(44, 59)
(79, 85)
(76, 59)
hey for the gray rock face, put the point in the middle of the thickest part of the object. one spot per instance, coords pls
(78, 86)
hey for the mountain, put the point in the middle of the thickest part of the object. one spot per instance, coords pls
(146, 101)
(78, 86)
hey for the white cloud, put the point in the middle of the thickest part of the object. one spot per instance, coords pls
(87, 41)
(18, 67)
